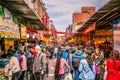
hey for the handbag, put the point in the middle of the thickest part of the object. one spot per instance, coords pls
(68, 76)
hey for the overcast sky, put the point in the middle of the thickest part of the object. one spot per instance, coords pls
(60, 11)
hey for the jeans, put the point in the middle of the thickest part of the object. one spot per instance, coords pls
(16, 76)
(22, 76)
(76, 75)
(38, 76)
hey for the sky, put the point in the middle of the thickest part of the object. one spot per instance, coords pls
(60, 11)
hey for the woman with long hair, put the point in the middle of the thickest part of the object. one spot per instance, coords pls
(59, 66)
(97, 58)
(113, 66)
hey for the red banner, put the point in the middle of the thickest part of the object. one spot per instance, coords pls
(45, 21)
(31, 31)
(89, 28)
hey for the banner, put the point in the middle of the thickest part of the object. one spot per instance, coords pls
(8, 32)
(8, 15)
(89, 28)
(116, 34)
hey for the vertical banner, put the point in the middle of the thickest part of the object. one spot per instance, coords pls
(116, 34)
(23, 31)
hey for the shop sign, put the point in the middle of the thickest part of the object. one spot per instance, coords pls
(116, 34)
(89, 28)
(23, 32)
(7, 29)
(9, 32)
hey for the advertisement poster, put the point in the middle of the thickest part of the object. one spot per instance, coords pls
(23, 31)
(116, 33)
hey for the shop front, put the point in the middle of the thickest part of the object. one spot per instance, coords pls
(89, 35)
(32, 35)
(9, 30)
(103, 38)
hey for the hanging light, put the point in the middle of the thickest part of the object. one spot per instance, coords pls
(28, 35)
(33, 36)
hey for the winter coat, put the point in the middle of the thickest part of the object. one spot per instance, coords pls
(8, 72)
(39, 63)
(12, 67)
(23, 62)
(85, 71)
(113, 68)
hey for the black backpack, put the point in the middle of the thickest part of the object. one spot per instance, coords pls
(76, 61)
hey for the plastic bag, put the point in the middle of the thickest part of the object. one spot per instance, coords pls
(68, 77)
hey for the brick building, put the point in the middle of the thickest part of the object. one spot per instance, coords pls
(86, 13)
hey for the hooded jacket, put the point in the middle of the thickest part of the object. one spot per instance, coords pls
(85, 71)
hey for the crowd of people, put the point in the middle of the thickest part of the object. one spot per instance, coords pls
(31, 62)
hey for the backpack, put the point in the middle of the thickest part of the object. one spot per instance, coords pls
(76, 61)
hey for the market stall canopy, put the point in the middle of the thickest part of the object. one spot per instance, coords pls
(20, 8)
(106, 14)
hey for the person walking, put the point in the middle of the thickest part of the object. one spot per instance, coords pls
(39, 65)
(97, 58)
(23, 63)
(85, 69)
(113, 66)
(59, 67)
(76, 57)
(12, 69)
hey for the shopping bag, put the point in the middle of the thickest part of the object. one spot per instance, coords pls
(68, 77)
